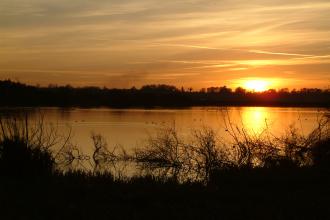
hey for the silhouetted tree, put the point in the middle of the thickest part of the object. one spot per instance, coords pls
(18, 94)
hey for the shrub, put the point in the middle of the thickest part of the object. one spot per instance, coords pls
(17, 158)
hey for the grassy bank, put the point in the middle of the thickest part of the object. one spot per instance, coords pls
(254, 178)
(240, 195)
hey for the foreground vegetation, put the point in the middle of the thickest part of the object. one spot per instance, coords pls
(254, 177)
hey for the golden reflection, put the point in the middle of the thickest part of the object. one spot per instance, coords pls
(254, 119)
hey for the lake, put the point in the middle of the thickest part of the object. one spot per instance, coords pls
(129, 128)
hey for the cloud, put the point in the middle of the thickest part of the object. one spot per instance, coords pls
(150, 40)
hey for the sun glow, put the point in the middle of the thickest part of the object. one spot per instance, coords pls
(256, 85)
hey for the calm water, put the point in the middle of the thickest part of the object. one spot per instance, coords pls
(130, 127)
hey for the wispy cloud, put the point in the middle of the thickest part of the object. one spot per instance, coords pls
(190, 40)
(279, 53)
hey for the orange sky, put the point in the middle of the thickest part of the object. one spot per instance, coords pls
(198, 43)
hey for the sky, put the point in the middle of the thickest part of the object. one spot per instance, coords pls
(190, 43)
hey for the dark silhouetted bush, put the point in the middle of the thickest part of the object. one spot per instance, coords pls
(321, 154)
(19, 159)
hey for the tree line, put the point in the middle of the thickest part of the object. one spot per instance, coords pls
(20, 94)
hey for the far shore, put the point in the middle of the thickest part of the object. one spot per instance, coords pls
(15, 94)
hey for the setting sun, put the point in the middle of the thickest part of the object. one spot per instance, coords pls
(256, 85)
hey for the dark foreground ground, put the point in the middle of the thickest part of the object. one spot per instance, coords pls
(294, 185)
(245, 194)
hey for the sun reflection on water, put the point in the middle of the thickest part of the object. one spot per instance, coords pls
(255, 119)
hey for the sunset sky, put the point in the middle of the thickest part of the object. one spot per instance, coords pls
(197, 43)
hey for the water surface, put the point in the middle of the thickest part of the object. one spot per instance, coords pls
(130, 127)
